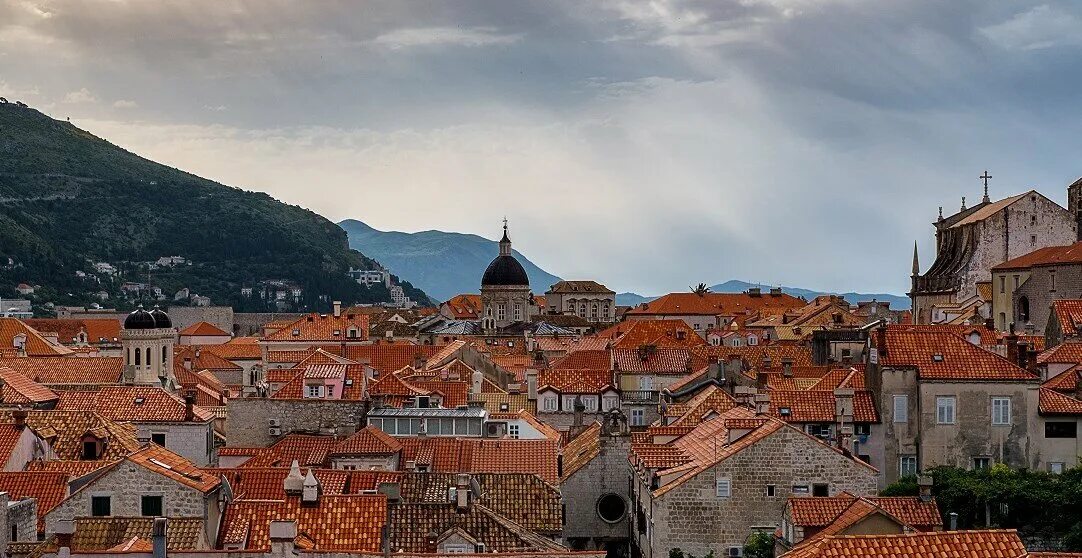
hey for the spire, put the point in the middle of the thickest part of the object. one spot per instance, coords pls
(916, 263)
(963, 203)
(505, 242)
(940, 214)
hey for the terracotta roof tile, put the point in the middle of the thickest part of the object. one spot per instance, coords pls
(713, 304)
(942, 355)
(337, 523)
(1069, 352)
(1055, 403)
(72, 469)
(202, 359)
(521, 497)
(654, 360)
(321, 328)
(819, 406)
(49, 488)
(822, 511)
(367, 441)
(664, 333)
(127, 403)
(66, 430)
(582, 449)
(576, 381)
(386, 359)
(473, 455)
(239, 348)
(20, 390)
(944, 544)
(67, 370)
(97, 330)
(204, 329)
(35, 344)
(102, 533)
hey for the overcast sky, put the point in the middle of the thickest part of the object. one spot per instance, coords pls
(647, 145)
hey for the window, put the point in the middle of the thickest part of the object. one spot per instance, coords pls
(314, 391)
(611, 508)
(821, 490)
(864, 429)
(1052, 280)
(501, 312)
(1056, 467)
(637, 417)
(158, 438)
(734, 552)
(609, 402)
(981, 463)
(552, 404)
(591, 403)
(907, 465)
(801, 489)
(1001, 410)
(1016, 282)
(512, 431)
(151, 506)
(101, 506)
(138, 357)
(457, 548)
(821, 431)
(770, 491)
(1002, 284)
(90, 449)
(723, 487)
(1061, 429)
(901, 409)
(569, 403)
(14, 533)
(518, 312)
(646, 383)
(944, 409)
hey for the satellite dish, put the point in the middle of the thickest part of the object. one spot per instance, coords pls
(475, 487)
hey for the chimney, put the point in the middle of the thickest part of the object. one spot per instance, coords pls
(531, 343)
(294, 481)
(189, 406)
(283, 536)
(310, 489)
(389, 334)
(158, 536)
(843, 405)
(762, 403)
(924, 488)
(775, 291)
(990, 324)
(337, 308)
(1011, 341)
(476, 381)
(462, 492)
(755, 291)
(767, 361)
(761, 379)
(1030, 329)
(19, 416)
(188, 362)
(954, 521)
(715, 371)
(128, 375)
(65, 528)
(881, 341)
(580, 409)
(787, 367)
(531, 385)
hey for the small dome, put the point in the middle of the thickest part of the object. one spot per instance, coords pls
(161, 319)
(505, 270)
(139, 319)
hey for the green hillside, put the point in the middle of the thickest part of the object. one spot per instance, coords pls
(68, 199)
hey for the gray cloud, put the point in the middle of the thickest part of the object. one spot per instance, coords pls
(647, 145)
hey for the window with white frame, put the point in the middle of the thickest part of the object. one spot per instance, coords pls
(944, 409)
(907, 465)
(313, 391)
(518, 312)
(638, 417)
(610, 402)
(723, 487)
(646, 383)
(591, 403)
(901, 409)
(501, 311)
(512, 430)
(551, 403)
(569, 403)
(1001, 410)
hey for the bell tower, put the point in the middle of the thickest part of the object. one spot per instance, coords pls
(1074, 204)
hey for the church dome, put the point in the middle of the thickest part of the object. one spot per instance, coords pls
(505, 270)
(140, 319)
(161, 319)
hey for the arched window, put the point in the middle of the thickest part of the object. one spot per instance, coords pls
(138, 357)
(164, 353)
(1023, 310)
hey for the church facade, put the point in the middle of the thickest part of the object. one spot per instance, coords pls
(974, 240)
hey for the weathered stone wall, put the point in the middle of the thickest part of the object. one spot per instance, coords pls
(694, 519)
(1040, 292)
(191, 440)
(184, 316)
(249, 418)
(24, 514)
(126, 484)
(1059, 450)
(897, 438)
(608, 473)
(251, 323)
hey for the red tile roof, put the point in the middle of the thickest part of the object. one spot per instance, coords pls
(1051, 255)
(49, 488)
(72, 469)
(368, 441)
(576, 381)
(386, 359)
(1068, 352)
(942, 355)
(266, 483)
(941, 544)
(353, 381)
(819, 406)
(656, 360)
(35, 344)
(473, 455)
(9, 438)
(584, 360)
(204, 329)
(713, 304)
(822, 511)
(1056, 403)
(464, 306)
(166, 463)
(337, 523)
(201, 359)
(322, 328)
(20, 390)
(131, 404)
(67, 370)
(238, 348)
(67, 330)
(664, 333)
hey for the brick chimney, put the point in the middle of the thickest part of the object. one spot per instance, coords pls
(924, 488)
(189, 406)
(1011, 342)
(787, 367)
(337, 308)
(19, 416)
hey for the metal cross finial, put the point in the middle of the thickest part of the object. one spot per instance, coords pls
(985, 177)
(505, 222)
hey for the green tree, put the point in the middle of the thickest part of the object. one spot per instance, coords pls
(759, 545)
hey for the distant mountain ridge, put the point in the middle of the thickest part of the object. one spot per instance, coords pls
(69, 199)
(736, 286)
(443, 264)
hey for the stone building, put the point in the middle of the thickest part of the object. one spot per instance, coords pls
(588, 300)
(974, 240)
(152, 482)
(944, 400)
(147, 342)
(595, 485)
(704, 311)
(806, 519)
(1025, 287)
(505, 291)
(708, 488)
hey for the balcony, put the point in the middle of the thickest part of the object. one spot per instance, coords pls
(640, 397)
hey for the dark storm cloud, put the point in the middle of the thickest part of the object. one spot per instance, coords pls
(646, 144)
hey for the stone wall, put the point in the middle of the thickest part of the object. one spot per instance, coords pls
(126, 484)
(191, 440)
(1040, 292)
(251, 323)
(249, 418)
(184, 316)
(608, 473)
(692, 518)
(24, 514)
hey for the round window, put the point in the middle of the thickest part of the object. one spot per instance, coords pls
(611, 508)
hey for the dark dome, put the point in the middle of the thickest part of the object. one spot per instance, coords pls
(139, 319)
(161, 319)
(505, 270)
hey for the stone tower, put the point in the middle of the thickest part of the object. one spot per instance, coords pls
(1074, 203)
(505, 290)
(147, 340)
